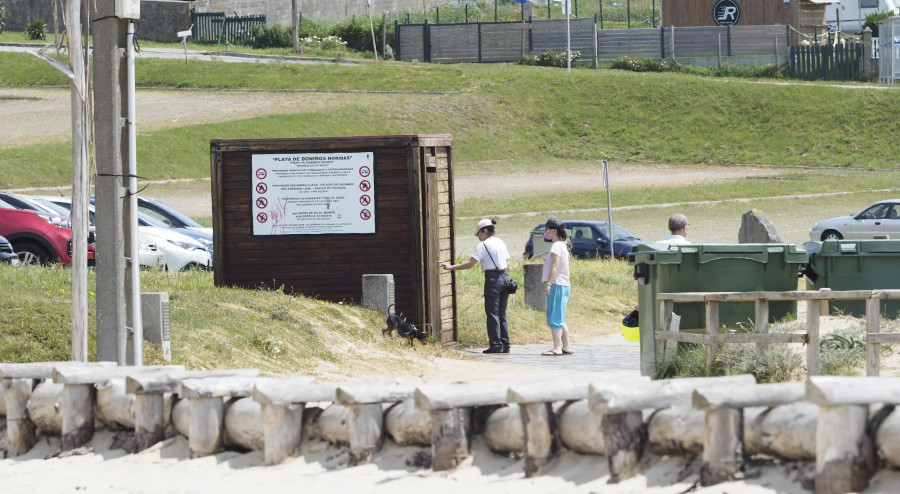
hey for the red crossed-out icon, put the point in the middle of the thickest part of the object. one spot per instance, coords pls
(365, 200)
(262, 202)
(365, 214)
(261, 173)
(365, 185)
(262, 217)
(261, 188)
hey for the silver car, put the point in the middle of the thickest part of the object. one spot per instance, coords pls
(880, 220)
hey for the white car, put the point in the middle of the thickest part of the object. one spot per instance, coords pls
(180, 251)
(880, 220)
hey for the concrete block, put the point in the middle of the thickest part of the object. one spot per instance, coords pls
(534, 289)
(156, 322)
(378, 291)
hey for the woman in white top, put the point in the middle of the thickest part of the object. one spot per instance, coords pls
(556, 286)
(493, 256)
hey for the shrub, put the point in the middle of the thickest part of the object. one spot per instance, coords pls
(276, 36)
(871, 20)
(36, 29)
(356, 33)
(323, 43)
(639, 64)
(2, 14)
(548, 59)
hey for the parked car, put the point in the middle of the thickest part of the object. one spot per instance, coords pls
(181, 251)
(6, 252)
(38, 237)
(880, 220)
(590, 239)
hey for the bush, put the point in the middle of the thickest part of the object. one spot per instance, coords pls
(639, 64)
(276, 36)
(871, 20)
(2, 14)
(751, 71)
(36, 29)
(356, 33)
(548, 59)
(323, 43)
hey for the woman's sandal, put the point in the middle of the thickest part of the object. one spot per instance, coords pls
(568, 352)
(551, 353)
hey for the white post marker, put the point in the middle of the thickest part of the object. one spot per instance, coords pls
(612, 252)
(567, 9)
(184, 35)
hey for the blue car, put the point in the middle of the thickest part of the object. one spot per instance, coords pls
(590, 239)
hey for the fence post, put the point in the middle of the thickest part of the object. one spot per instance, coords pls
(479, 42)
(662, 43)
(596, 62)
(728, 38)
(601, 13)
(671, 43)
(719, 52)
(712, 328)
(812, 331)
(397, 39)
(867, 50)
(776, 51)
(427, 42)
(762, 323)
(873, 326)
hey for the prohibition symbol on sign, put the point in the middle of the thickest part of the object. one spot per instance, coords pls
(365, 200)
(365, 214)
(364, 171)
(262, 202)
(261, 173)
(262, 217)
(261, 188)
(365, 186)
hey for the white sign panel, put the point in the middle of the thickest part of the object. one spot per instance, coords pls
(313, 194)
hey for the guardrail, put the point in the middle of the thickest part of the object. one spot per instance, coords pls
(761, 336)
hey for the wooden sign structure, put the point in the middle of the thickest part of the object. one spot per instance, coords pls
(311, 216)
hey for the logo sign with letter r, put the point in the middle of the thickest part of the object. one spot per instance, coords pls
(726, 12)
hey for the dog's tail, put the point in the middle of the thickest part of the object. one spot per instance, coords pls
(389, 308)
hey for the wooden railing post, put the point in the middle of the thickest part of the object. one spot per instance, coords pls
(873, 326)
(665, 320)
(812, 332)
(762, 323)
(712, 328)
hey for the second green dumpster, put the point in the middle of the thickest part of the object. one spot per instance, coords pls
(710, 268)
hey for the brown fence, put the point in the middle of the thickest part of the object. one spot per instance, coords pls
(507, 42)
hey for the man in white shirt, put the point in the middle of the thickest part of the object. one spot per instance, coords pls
(678, 224)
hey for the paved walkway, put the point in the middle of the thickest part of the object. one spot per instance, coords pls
(609, 355)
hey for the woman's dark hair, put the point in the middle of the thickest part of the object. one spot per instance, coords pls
(561, 233)
(490, 229)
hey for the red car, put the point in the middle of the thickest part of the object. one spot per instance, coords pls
(38, 238)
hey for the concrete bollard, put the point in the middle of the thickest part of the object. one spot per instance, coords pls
(156, 322)
(534, 289)
(378, 291)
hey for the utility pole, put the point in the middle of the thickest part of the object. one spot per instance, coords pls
(295, 25)
(80, 92)
(111, 144)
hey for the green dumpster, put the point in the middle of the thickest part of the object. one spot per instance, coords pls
(711, 268)
(855, 265)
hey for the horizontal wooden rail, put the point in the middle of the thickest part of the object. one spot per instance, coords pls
(761, 336)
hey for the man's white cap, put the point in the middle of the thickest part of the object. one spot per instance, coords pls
(483, 223)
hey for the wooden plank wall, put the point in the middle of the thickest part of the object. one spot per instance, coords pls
(688, 13)
(505, 42)
(550, 35)
(411, 43)
(445, 234)
(329, 267)
(454, 43)
(636, 43)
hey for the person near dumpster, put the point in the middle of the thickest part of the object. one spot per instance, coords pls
(555, 277)
(678, 224)
(492, 254)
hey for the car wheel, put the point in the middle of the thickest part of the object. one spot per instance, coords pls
(832, 235)
(31, 255)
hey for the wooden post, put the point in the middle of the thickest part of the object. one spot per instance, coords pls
(450, 432)
(873, 326)
(762, 323)
(207, 424)
(845, 458)
(723, 446)
(541, 435)
(149, 420)
(366, 432)
(812, 331)
(665, 320)
(712, 328)
(624, 437)
(282, 430)
(77, 416)
(20, 430)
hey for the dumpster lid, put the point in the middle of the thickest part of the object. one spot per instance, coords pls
(864, 246)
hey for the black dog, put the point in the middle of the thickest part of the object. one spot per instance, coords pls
(404, 328)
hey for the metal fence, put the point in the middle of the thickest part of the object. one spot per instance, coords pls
(508, 42)
(828, 62)
(216, 28)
